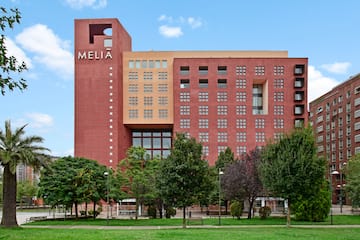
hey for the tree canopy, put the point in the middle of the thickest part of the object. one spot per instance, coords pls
(70, 181)
(290, 167)
(184, 177)
(139, 176)
(352, 171)
(9, 64)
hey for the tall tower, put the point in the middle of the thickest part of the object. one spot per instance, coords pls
(99, 130)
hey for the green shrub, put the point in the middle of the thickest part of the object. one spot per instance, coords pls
(152, 211)
(264, 212)
(236, 209)
(82, 213)
(313, 209)
(170, 212)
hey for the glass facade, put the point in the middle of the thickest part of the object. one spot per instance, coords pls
(156, 142)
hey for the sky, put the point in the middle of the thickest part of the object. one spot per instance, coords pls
(324, 31)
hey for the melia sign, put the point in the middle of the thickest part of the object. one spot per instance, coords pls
(94, 55)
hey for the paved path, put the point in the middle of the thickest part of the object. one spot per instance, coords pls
(178, 227)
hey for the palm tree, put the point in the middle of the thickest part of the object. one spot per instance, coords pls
(15, 148)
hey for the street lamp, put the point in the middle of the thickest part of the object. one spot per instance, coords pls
(331, 193)
(220, 173)
(106, 174)
(341, 185)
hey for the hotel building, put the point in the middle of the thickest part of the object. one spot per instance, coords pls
(236, 99)
(335, 118)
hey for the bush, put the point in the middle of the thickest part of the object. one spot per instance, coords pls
(91, 213)
(313, 209)
(152, 211)
(82, 213)
(236, 209)
(170, 212)
(264, 212)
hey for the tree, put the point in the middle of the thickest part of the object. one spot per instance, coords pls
(183, 176)
(70, 181)
(17, 149)
(9, 64)
(25, 191)
(252, 182)
(225, 158)
(139, 175)
(352, 171)
(290, 167)
(241, 179)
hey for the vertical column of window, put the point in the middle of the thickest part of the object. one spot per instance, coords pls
(111, 109)
(299, 83)
(133, 100)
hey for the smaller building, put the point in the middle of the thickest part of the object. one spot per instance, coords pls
(335, 118)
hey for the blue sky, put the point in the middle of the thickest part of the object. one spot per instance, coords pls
(325, 31)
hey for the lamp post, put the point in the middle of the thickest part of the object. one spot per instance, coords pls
(220, 173)
(106, 174)
(331, 194)
(341, 185)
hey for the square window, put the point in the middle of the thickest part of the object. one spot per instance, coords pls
(203, 96)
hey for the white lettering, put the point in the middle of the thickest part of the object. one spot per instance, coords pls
(94, 55)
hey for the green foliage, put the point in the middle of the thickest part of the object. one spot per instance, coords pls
(17, 149)
(152, 211)
(25, 191)
(225, 158)
(184, 177)
(291, 169)
(9, 64)
(73, 181)
(236, 209)
(264, 212)
(170, 212)
(139, 176)
(315, 208)
(352, 171)
(95, 213)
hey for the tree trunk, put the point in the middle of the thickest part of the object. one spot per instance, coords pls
(9, 198)
(288, 217)
(184, 217)
(76, 211)
(251, 205)
(94, 209)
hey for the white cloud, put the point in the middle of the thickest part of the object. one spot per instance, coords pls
(18, 53)
(337, 67)
(79, 4)
(39, 120)
(170, 32)
(318, 84)
(180, 22)
(48, 49)
(194, 23)
(165, 18)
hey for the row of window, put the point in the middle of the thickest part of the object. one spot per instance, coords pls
(137, 64)
(240, 97)
(223, 123)
(240, 150)
(241, 70)
(239, 83)
(148, 88)
(223, 109)
(148, 100)
(147, 76)
(148, 113)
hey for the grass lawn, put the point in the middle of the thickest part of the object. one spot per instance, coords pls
(278, 233)
(338, 220)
